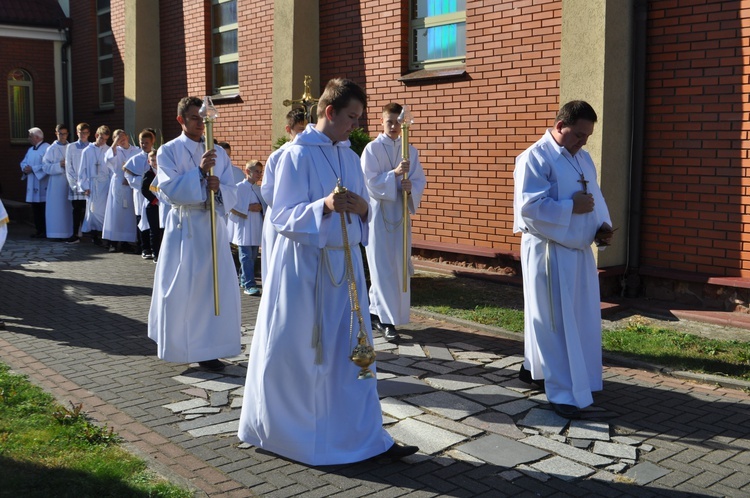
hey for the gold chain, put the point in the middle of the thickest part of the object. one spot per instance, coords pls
(363, 354)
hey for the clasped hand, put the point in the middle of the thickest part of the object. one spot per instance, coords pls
(583, 202)
(208, 161)
(402, 168)
(604, 235)
(348, 202)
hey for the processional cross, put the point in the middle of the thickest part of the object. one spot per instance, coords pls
(306, 100)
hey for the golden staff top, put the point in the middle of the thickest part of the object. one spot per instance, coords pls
(406, 120)
(307, 100)
(209, 114)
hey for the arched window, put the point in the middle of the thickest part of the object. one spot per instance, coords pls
(20, 105)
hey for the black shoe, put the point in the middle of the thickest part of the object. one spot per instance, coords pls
(72, 240)
(375, 321)
(566, 411)
(398, 451)
(389, 332)
(212, 365)
(525, 376)
(37, 235)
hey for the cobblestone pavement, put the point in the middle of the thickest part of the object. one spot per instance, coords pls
(76, 324)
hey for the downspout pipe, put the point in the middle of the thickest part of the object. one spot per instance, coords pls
(632, 276)
(65, 26)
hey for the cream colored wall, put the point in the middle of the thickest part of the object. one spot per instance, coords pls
(296, 53)
(596, 66)
(142, 66)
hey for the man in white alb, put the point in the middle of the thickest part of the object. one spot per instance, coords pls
(560, 211)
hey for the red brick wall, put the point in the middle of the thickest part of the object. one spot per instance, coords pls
(37, 58)
(697, 149)
(468, 132)
(186, 70)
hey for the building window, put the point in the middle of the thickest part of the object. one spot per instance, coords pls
(20, 105)
(437, 33)
(224, 45)
(105, 45)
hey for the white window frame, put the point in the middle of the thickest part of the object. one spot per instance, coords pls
(23, 136)
(431, 22)
(110, 79)
(225, 58)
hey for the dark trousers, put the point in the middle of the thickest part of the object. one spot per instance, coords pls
(143, 236)
(79, 212)
(152, 215)
(39, 217)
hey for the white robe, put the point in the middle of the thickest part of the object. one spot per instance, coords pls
(314, 412)
(95, 177)
(245, 231)
(3, 225)
(562, 338)
(182, 319)
(385, 255)
(266, 190)
(58, 211)
(73, 169)
(135, 168)
(119, 217)
(36, 181)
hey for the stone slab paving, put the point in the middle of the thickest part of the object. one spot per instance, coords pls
(451, 382)
(399, 409)
(562, 468)
(567, 451)
(544, 420)
(447, 405)
(449, 388)
(587, 429)
(430, 439)
(502, 451)
(614, 450)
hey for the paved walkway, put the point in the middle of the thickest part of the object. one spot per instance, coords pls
(75, 319)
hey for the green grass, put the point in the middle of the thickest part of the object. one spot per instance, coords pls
(50, 450)
(679, 350)
(469, 299)
(501, 305)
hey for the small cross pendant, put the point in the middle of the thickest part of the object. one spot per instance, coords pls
(585, 183)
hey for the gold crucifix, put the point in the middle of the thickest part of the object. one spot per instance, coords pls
(306, 100)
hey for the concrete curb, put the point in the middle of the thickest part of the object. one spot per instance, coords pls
(609, 357)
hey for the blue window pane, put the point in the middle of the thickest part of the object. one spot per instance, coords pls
(440, 42)
(426, 8)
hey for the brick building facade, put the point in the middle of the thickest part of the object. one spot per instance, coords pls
(30, 40)
(522, 57)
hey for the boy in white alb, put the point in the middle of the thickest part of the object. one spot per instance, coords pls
(295, 124)
(182, 319)
(73, 174)
(302, 398)
(389, 178)
(59, 211)
(94, 181)
(245, 224)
